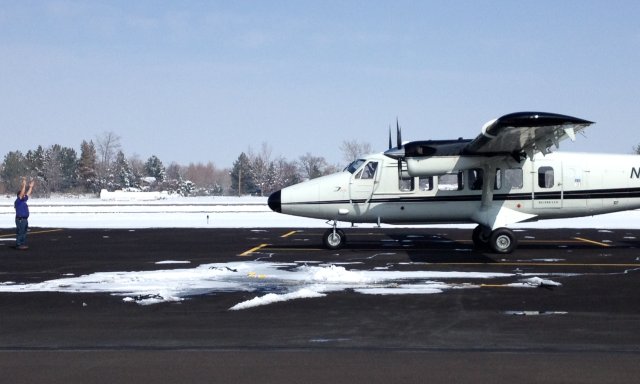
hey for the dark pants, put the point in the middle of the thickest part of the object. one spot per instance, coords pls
(21, 231)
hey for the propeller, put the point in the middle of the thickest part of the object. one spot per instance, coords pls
(399, 147)
(398, 134)
(396, 153)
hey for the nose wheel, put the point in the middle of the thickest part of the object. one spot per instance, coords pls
(334, 238)
(501, 240)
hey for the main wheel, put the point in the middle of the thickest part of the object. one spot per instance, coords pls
(503, 240)
(481, 236)
(334, 240)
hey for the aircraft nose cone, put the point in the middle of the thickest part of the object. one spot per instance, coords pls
(274, 202)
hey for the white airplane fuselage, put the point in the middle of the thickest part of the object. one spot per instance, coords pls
(557, 185)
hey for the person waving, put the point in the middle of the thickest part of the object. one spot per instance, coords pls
(22, 214)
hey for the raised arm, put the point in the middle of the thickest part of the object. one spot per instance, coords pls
(31, 184)
(23, 188)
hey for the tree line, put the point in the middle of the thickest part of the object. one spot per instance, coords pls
(101, 164)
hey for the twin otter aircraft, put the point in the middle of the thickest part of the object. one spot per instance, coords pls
(506, 175)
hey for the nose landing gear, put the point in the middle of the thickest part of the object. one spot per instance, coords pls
(334, 238)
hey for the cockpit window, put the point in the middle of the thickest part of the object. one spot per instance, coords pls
(369, 170)
(351, 168)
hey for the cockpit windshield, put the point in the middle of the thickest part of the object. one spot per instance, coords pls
(351, 168)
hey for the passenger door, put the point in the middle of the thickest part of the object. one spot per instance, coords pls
(547, 184)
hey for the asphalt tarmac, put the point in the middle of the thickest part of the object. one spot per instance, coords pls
(584, 331)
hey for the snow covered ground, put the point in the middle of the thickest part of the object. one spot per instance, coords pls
(283, 282)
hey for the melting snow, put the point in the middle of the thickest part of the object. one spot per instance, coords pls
(534, 282)
(173, 262)
(273, 282)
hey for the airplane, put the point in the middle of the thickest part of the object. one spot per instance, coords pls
(508, 174)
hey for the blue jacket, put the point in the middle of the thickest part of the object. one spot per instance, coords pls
(22, 209)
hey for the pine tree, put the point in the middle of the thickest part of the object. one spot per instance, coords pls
(14, 167)
(242, 182)
(69, 167)
(154, 168)
(52, 170)
(123, 175)
(87, 173)
(35, 162)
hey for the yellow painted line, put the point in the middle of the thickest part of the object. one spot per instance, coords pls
(550, 264)
(34, 232)
(254, 249)
(289, 234)
(298, 249)
(592, 242)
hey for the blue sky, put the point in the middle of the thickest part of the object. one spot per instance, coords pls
(199, 81)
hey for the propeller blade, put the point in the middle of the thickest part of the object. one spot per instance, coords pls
(390, 144)
(399, 134)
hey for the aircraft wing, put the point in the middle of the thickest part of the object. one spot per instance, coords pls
(525, 133)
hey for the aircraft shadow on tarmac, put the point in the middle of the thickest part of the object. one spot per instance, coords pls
(442, 248)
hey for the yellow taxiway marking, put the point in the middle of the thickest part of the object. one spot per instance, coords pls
(298, 249)
(550, 264)
(252, 250)
(592, 242)
(34, 232)
(289, 234)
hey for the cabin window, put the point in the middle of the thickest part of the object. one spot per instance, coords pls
(450, 182)
(545, 177)
(369, 171)
(425, 183)
(474, 178)
(406, 184)
(513, 178)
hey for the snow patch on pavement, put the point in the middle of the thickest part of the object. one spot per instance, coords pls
(273, 282)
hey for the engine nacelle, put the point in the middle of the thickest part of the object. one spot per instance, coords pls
(439, 165)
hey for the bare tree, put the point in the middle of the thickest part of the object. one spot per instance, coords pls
(107, 145)
(175, 171)
(353, 149)
(285, 174)
(137, 166)
(262, 168)
(312, 166)
(202, 175)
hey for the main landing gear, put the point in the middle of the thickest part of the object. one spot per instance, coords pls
(501, 240)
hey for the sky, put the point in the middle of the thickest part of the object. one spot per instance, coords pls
(200, 81)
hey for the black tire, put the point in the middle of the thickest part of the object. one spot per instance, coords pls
(503, 241)
(334, 241)
(480, 237)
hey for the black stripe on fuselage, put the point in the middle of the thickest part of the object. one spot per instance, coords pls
(621, 193)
